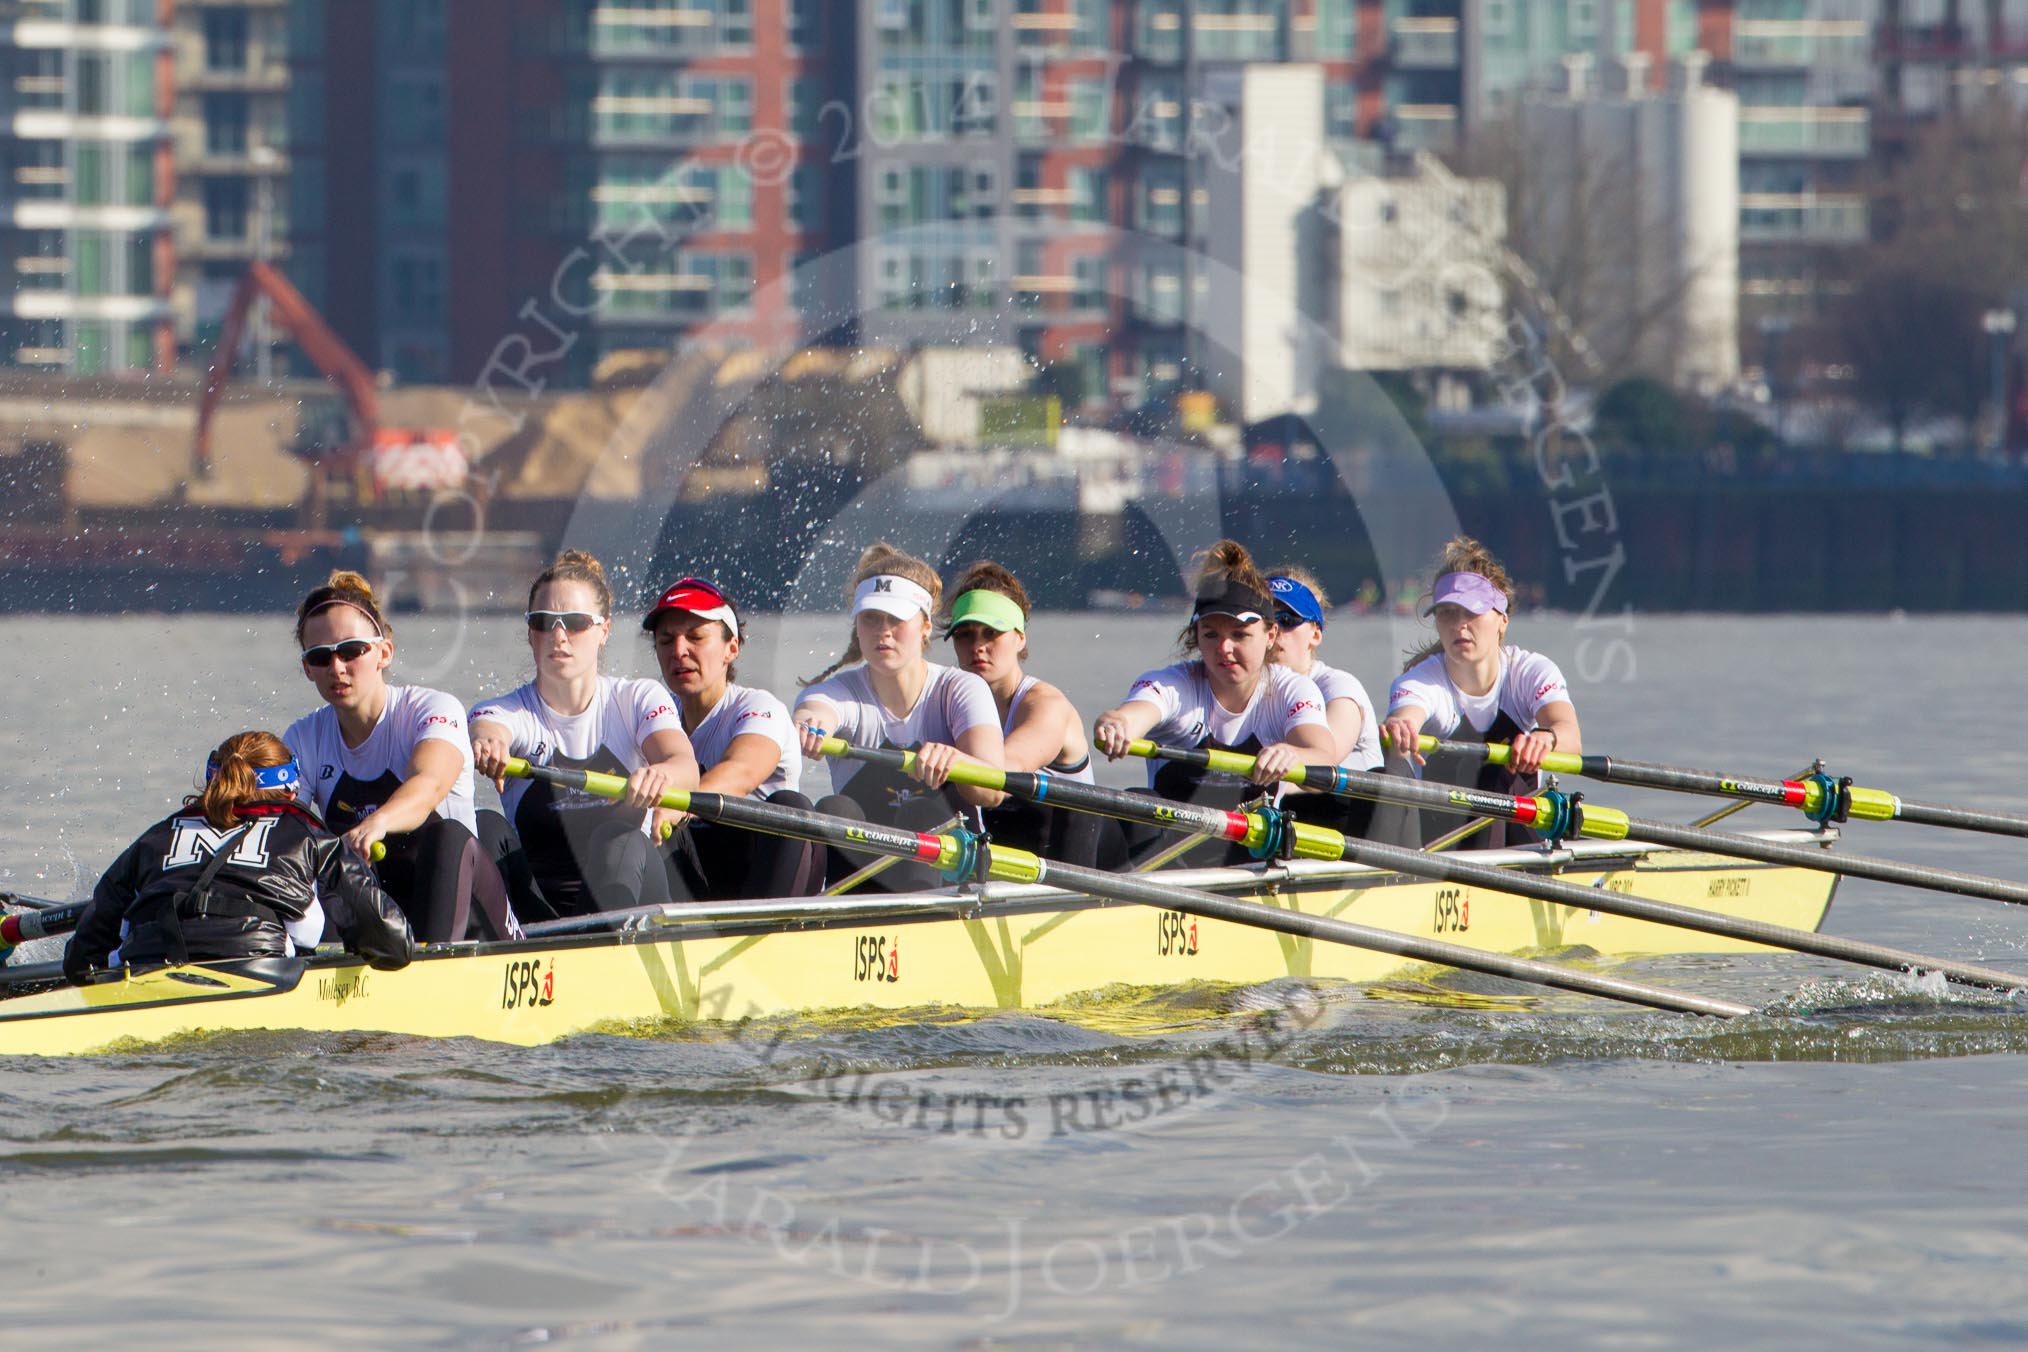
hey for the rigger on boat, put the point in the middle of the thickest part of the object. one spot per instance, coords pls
(206, 937)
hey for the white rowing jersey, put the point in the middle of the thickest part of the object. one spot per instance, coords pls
(623, 713)
(346, 783)
(1079, 773)
(744, 711)
(1336, 684)
(1527, 682)
(952, 703)
(1282, 701)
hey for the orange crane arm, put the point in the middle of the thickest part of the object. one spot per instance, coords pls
(300, 320)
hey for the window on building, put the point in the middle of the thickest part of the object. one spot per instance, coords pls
(140, 175)
(806, 23)
(735, 106)
(88, 174)
(225, 39)
(225, 117)
(90, 76)
(735, 23)
(92, 264)
(806, 198)
(1088, 282)
(1091, 25)
(891, 198)
(416, 288)
(1087, 194)
(91, 348)
(225, 208)
(1088, 111)
(806, 98)
(734, 206)
(1338, 28)
(140, 265)
(735, 282)
(976, 106)
(418, 27)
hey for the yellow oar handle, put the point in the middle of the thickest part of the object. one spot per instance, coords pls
(947, 853)
(969, 773)
(602, 785)
(1499, 753)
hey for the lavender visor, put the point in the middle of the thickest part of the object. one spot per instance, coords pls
(1474, 591)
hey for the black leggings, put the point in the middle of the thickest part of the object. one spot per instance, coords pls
(614, 874)
(436, 873)
(711, 861)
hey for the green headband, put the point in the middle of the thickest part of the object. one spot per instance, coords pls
(990, 608)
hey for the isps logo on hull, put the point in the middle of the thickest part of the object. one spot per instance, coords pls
(877, 958)
(528, 985)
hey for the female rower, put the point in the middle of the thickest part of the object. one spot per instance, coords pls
(895, 697)
(1470, 686)
(1230, 694)
(745, 746)
(1299, 620)
(565, 851)
(243, 871)
(390, 765)
(987, 624)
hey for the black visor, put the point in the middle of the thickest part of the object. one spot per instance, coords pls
(1227, 597)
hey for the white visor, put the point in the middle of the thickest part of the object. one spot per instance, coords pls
(892, 595)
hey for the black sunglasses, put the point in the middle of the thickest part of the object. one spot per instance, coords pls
(576, 621)
(349, 650)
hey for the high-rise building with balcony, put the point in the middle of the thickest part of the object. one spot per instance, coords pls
(232, 153)
(1804, 73)
(633, 171)
(86, 253)
(1452, 66)
(1030, 170)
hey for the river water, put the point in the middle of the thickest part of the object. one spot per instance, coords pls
(1843, 1169)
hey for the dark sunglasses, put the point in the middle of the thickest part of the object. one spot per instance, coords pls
(575, 621)
(350, 650)
(1288, 619)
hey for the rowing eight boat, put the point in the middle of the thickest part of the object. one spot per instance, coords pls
(1002, 946)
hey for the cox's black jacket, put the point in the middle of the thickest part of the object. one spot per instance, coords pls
(277, 868)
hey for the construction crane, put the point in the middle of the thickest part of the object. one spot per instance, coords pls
(335, 436)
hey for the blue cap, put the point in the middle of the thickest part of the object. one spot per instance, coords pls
(1293, 598)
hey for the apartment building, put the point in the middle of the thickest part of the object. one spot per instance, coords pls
(87, 255)
(231, 144)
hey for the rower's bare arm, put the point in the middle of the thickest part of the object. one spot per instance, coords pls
(1555, 731)
(1307, 744)
(1400, 729)
(1113, 729)
(433, 771)
(747, 763)
(492, 747)
(1041, 727)
(1347, 720)
(672, 764)
(982, 745)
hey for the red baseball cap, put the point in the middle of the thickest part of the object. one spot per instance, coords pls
(698, 597)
